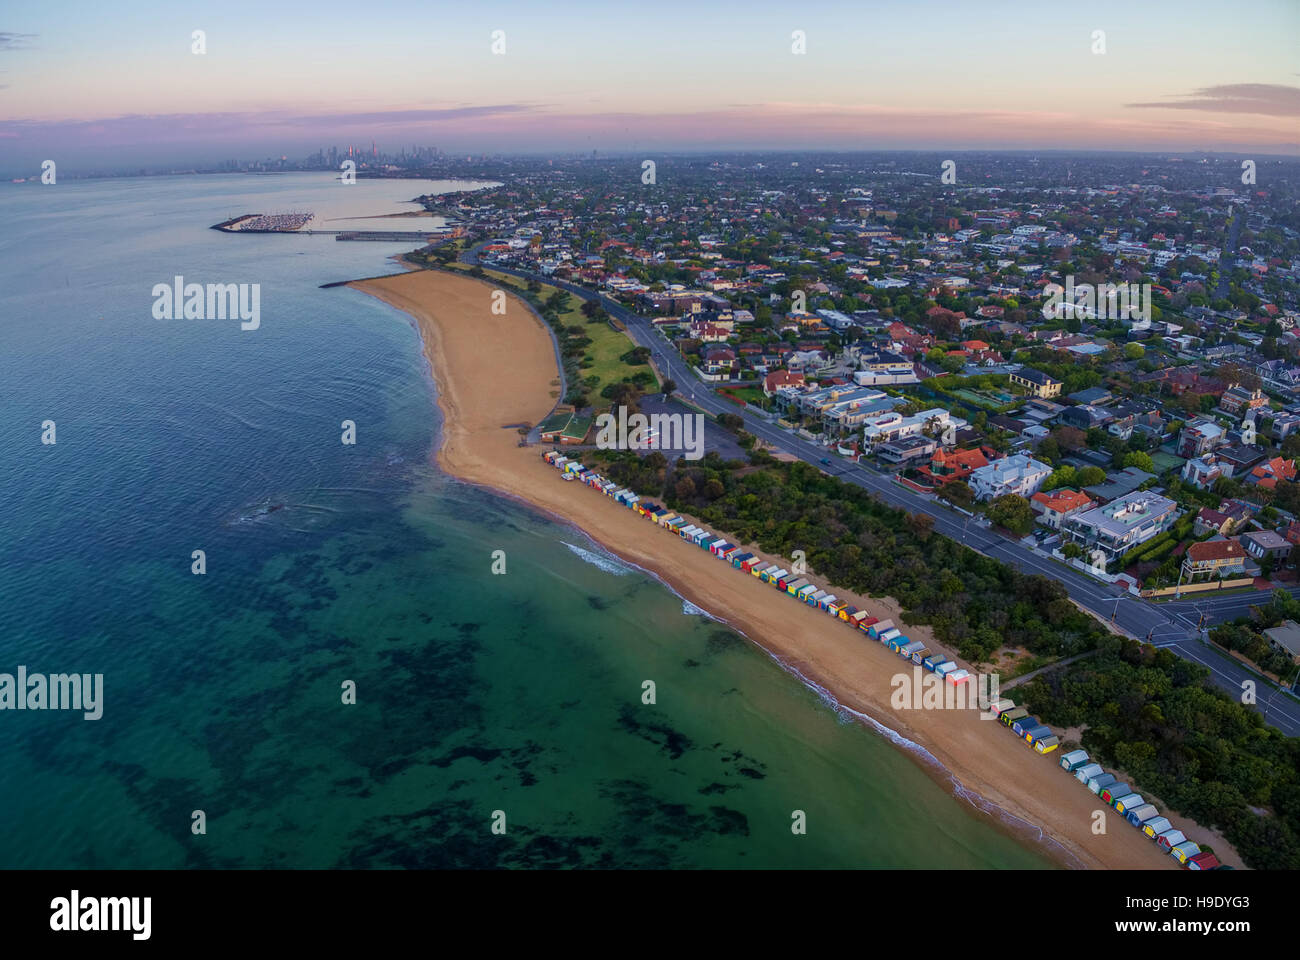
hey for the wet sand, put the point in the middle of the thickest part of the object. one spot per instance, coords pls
(493, 371)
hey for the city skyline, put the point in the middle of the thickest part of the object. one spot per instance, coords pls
(125, 89)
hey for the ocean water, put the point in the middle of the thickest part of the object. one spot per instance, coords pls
(480, 698)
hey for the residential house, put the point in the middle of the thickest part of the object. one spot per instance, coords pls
(1119, 484)
(1286, 639)
(1285, 424)
(1036, 383)
(1085, 417)
(1237, 400)
(955, 465)
(1202, 471)
(906, 450)
(1238, 460)
(719, 362)
(1268, 473)
(1018, 474)
(1231, 516)
(892, 426)
(777, 379)
(1055, 507)
(1199, 436)
(1214, 558)
(1266, 543)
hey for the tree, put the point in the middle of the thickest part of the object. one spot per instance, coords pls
(958, 493)
(1063, 476)
(668, 388)
(1134, 351)
(1090, 476)
(1142, 461)
(1013, 512)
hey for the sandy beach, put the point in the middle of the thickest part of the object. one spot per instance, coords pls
(469, 348)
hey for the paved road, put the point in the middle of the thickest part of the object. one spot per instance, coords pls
(1170, 625)
(1228, 255)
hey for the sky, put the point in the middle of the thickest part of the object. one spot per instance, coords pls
(110, 83)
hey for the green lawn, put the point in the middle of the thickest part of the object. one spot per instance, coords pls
(601, 358)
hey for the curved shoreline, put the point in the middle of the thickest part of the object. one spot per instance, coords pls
(1023, 793)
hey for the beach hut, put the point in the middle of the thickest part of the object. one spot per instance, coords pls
(1202, 861)
(1184, 850)
(685, 532)
(945, 668)
(1155, 826)
(859, 618)
(764, 573)
(1086, 772)
(1074, 760)
(1007, 718)
(933, 660)
(918, 656)
(998, 707)
(1046, 744)
(887, 635)
(826, 601)
(631, 499)
(897, 643)
(847, 611)
(1137, 816)
(1100, 782)
(717, 548)
(910, 648)
(836, 608)
(1130, 801)
(1113, 791)
(728, 553)
(775, 576)
(550, 456)
(815, 599)
(795, 585)
(880, 628)
(739, 559)
(752, 564)
(706, 543)
(1022, 724)
(675, 524)
(1170, 839)
(1035, 731)
(573, 466)
(866, 623)
(803, 593)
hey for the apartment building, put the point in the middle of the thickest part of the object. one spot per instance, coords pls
(1122, 524)
(892, 426)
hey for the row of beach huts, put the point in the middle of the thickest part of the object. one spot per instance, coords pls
(1038, 735)
(794, 584)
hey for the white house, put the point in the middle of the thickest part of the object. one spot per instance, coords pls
(1019, 474)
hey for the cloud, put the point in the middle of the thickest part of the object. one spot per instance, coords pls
(14, 41)
(1272, 99)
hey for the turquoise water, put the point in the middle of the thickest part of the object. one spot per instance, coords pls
(326, 563)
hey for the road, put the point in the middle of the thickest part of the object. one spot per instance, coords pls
(1228, 255)
(1170, 625)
